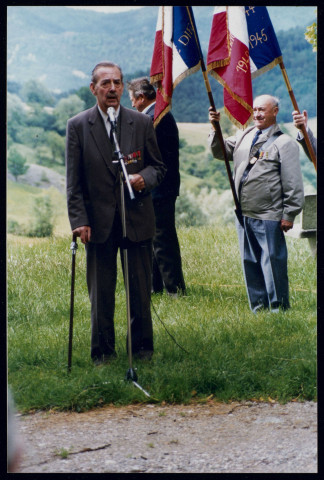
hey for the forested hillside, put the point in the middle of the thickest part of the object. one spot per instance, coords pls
(43, 91)
(59, 46)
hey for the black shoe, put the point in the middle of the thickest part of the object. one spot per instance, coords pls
(104, 359)
(97, 361)
(144, 354)
(179, 292)
(108, 357)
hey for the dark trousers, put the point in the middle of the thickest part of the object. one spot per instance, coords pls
(101, 280)
(264, 259)
(167, 265)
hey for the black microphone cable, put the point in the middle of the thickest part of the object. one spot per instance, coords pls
(170, 335)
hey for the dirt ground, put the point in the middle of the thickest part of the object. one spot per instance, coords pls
(198, 438)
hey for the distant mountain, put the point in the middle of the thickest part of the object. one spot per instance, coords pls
(59, 45)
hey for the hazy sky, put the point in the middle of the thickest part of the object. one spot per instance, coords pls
(109, 9)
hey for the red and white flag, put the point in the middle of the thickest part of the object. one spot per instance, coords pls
(228, 60)
(176, 54)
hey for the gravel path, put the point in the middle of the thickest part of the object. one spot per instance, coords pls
(209, 438)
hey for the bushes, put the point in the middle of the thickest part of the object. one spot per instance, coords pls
(43, 220)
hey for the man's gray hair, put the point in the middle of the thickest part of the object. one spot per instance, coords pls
(275, 100)
(104, 64)
(141, 86)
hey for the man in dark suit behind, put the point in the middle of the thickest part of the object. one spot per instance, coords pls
(94, 208)
(167, 265)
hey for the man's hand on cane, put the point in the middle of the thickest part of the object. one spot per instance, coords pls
(83, 232)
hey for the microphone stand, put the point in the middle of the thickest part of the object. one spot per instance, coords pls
(130, 374)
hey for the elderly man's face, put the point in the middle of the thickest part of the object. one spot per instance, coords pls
(109, 87)
(138, 102)
(264, 112)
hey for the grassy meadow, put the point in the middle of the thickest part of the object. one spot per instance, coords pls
(223, 351)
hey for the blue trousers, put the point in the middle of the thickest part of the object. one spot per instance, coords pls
(264, 259)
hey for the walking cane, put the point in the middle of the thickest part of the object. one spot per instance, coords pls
(130, 374)
(73, 248)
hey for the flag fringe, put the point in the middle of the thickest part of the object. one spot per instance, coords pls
(236, 122)
(219, 63)
(266, 68)
(187, 73)
(167, 98)
(233, 95)
(156, 78)
(162, 114)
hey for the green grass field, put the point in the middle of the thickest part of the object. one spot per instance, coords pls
(227, 352)
(231, 354)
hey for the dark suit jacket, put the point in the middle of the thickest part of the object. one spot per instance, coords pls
(168, 141)
(93, 185)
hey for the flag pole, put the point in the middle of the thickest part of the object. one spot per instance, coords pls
(217, 126)
(294, 102)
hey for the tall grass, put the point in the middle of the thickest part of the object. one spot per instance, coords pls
(223, 349)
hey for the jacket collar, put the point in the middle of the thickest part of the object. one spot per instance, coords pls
(267, 133)
(98, 130)
(99, 133)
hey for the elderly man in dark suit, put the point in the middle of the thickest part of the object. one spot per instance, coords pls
(167, 264)
(94, 208)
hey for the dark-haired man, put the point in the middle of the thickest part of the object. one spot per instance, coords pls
(167, 264)
(94, 208)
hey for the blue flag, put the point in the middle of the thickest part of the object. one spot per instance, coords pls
(176, 54)
(264, 48)
(185, 40)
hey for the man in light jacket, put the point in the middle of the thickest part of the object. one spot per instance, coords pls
(269, 185)
(300, 120)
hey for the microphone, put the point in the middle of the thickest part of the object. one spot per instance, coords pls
(112, 117)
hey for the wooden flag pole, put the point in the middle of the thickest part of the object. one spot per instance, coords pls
(217, 127)
(294, 102)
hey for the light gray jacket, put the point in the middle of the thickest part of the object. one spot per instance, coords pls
(312, 139)
(273, 189)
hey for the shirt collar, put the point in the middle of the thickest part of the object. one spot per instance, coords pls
(148, 107)
(265, 130)
(105, 115)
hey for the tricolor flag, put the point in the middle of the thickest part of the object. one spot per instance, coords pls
(176, 54)
(228, 60)
(264, 48)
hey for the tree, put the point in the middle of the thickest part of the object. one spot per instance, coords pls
(187, 212)
(16, 163)
(56, 144)
(16, 115)
(43, 211)
(40, 115)
(67, 108)
(311, 35)
(31, 136)
(34, 91)
(87, 96)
